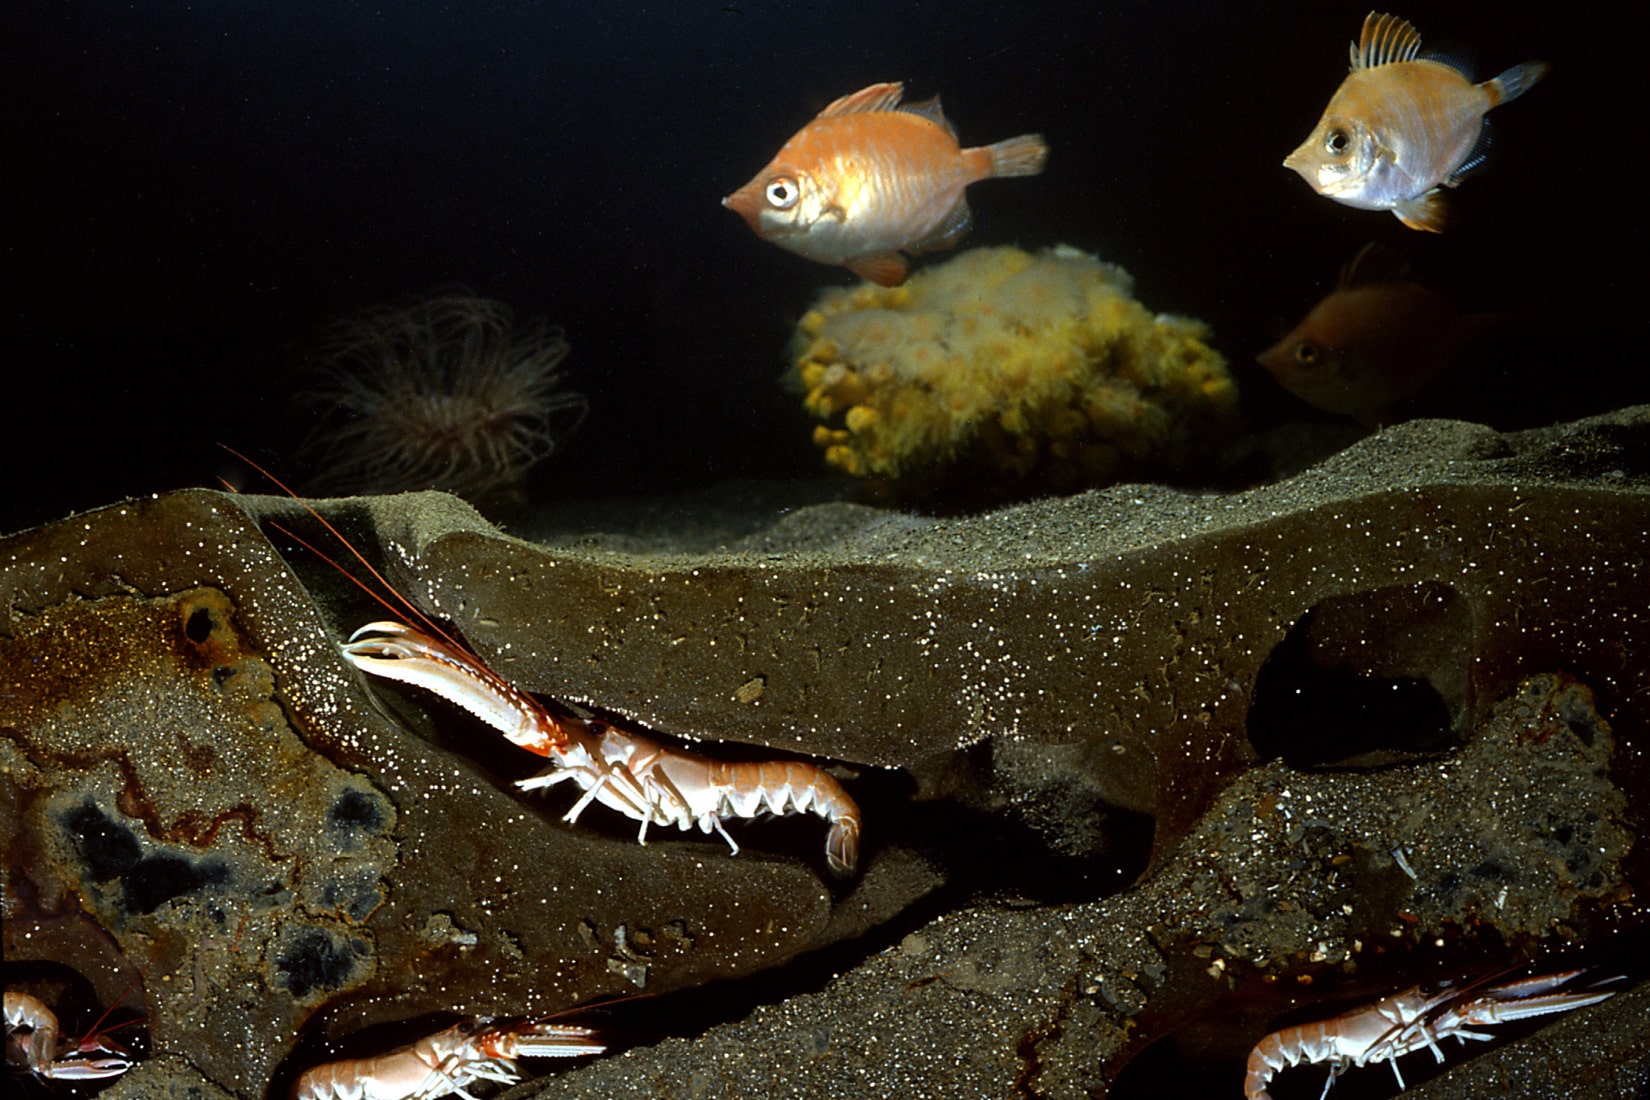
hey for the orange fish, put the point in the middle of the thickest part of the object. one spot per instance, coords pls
(869, 179)
(1401, 126)
(1375, 341)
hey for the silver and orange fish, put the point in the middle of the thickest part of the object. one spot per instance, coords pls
(869, 179)
(1402, 126)
(1376, 340)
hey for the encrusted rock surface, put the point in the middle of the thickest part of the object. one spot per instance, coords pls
(185, 756)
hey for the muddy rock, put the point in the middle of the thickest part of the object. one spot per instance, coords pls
(1441, 563)
(1289, 894)
(1144, 773)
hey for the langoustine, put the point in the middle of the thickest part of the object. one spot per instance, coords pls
(1405, 1022)
(642, 778)
(446, 1062)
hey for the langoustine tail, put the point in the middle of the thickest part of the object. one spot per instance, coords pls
(791, 786)
(826, 797)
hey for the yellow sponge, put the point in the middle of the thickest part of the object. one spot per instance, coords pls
(1039, 367)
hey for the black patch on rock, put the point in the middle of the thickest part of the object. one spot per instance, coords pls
(106, 848)
(317, 959)
(156, 880)
(109, 850)
(355, 812)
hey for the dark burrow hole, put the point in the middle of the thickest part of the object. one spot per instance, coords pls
(72, 998)
(1367, 679)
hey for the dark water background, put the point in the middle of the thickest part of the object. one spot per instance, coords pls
(191, 190)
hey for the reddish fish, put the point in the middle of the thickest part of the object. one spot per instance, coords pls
(1401, 126)
(1375, 341)
(869, 179)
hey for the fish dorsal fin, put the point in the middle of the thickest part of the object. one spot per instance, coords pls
(930, 109)
(1374, 264)
(1385, 39)
(877, 97)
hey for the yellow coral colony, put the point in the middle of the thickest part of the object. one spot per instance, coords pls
(1040, 367)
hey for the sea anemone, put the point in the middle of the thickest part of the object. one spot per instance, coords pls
(447, 394)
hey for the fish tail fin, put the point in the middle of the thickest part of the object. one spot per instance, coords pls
(1516, 81)
(1016, 156)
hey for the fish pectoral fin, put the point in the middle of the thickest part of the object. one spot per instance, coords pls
(884, 268)
(953, 229)
(1429, 212)
(876, 97)
(835, 212)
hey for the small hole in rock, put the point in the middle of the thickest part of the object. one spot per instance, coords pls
(198, 628)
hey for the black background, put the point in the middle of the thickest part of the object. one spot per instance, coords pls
(190, 191)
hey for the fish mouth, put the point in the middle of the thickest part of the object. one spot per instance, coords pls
(747, 206)
(1276, 359)
(1300, 162)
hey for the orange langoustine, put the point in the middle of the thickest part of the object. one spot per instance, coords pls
(869, 179)
(1401, 126)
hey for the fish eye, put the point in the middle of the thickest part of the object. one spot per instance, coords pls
(1337, 142)
(782, 192)
(1308, 353)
